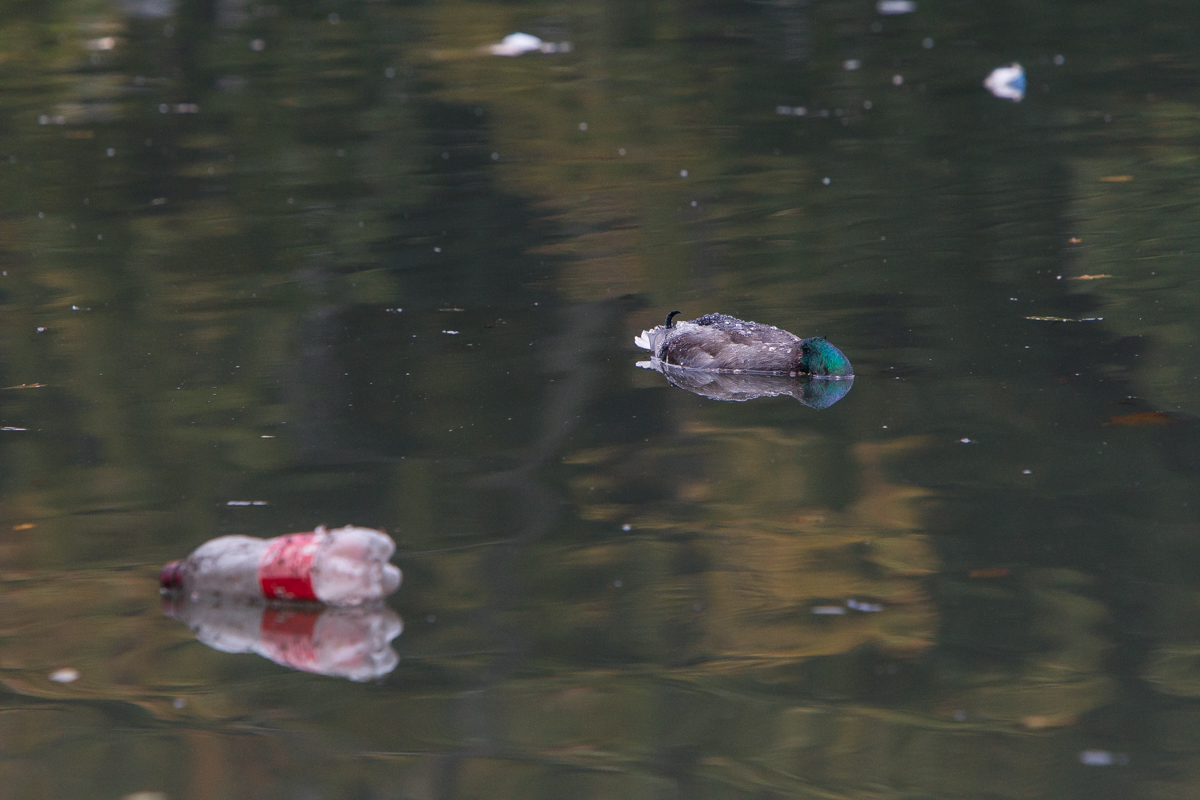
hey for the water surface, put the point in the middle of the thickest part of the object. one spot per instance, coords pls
(265, 267)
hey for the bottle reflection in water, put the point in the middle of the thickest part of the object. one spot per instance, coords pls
(347, 642)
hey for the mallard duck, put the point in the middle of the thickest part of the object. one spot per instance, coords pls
(721, 343)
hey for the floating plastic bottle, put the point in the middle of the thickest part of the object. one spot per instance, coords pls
(353, 643)
(341, 567)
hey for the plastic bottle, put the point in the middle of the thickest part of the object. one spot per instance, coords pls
(342, 567)
(352, 643)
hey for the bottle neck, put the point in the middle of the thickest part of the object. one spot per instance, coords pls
(172, 575)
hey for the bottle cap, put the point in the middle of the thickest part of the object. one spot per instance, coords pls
(172, 575)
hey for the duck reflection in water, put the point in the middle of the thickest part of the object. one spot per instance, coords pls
(342, 642)
(726, 358)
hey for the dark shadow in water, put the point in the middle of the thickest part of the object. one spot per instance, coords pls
(739, 387)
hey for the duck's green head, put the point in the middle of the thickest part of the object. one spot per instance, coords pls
(821, 359)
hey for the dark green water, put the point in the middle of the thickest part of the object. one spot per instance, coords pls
(337, 259)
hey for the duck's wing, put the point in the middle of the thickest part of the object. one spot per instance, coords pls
(731, 344)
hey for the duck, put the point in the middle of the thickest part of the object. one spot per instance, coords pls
(721, 343)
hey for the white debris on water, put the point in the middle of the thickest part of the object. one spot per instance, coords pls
(64, 675)
(517, 44)
(828, 610)
(890, 8)
(1007, 83)
(1102, 758)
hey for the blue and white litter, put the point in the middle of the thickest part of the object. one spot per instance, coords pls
(1007, 83)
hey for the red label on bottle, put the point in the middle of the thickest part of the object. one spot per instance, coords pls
(285, 572)
(287, 637)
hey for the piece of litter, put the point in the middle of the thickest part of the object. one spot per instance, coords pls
(1102, 758)
(451, 333)
(892, 7)
(1089, 277)
(266, 436)
(247, 503)
(851, 64)
(828, 610)
(967, 441)
(1026, 472)
(64, 675)
(516, 44)
(11, 428)
(1066, 319)
(1007, 83)
(868, 608)
(627, 527)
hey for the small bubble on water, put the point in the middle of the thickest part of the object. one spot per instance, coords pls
(868, 105)
(390, 72)
(495, 156)
(1026, 472)
(826, 181)
(851, 64)
(334, 18)
(927, 43)
(1059, 60)
(693, 204)
(617, 584)
(583, 126)
(110, 152)
(621, 151)
(897, 80)
(626, 527)
(258, 45)
(683, 173)
(178, 703)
